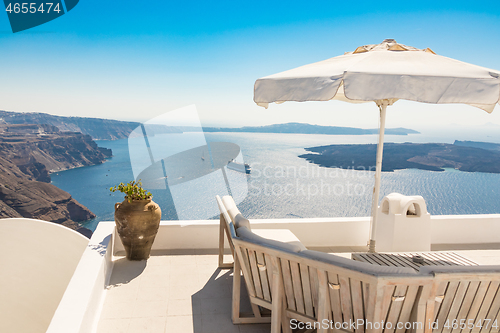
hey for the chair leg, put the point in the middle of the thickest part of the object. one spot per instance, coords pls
(285, 321)
(425, 307)
(221, 245)
(256, 310)
(236, 301)
(323, 300)
(221, 240)
(236, 292)
(277, 304)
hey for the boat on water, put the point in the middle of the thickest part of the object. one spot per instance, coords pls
(240, 167)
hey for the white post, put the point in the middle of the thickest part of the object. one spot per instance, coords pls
(378, 170)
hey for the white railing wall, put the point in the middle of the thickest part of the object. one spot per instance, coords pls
(326, 232)
(465, 229)
(80, 307)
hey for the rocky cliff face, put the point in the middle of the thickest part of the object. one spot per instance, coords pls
(40, 149)
(28, 153)
(98, 129)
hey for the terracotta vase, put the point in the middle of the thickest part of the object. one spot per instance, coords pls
(137, 224)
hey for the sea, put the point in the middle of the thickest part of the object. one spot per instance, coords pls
(281, 185)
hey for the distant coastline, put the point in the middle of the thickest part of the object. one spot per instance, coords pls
(462, 155)
(97, 128)
(302, 128)
(107, 129)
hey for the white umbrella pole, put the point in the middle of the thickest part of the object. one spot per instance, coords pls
(378, 171)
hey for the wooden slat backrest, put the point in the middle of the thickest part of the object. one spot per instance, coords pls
(356, 297)
(348, 295)
(465, 302)
(257, 270)
(313, 290)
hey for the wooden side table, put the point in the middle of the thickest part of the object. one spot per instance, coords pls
(414, 259)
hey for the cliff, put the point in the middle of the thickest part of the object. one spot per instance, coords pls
(40, 149)
(425, 156)
(21, 197)
(98, 129)
(28, 153)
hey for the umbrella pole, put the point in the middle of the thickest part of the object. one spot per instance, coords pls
(378, 171)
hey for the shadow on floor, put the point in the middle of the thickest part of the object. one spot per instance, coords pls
(218, 291)
(124, 271)
(219, 287)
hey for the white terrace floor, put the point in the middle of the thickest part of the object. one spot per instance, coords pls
(184, 291)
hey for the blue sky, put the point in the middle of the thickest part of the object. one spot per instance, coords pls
(137, 60)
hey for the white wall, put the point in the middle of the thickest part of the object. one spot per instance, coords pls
(327, 232)
(311, 232)
(81, 304)
(465, 229)
(37, 261)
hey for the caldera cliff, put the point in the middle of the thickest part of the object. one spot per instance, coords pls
(28, 154)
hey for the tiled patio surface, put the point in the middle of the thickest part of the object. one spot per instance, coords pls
(176, 291)
(171, 293)
(184, 291)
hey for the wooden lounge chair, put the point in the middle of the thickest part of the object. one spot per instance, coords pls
(324, 290)
(311, 287)
(249, 254)
(227, 227)
(463, 299)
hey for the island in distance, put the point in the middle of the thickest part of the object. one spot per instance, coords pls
(301, 128)
(462, 155)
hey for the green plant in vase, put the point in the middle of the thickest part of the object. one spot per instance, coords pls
(133, 191)
(137, 220)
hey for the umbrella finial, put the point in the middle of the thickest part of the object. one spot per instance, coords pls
(389, 40)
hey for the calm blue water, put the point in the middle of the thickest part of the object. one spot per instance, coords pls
(282, 185)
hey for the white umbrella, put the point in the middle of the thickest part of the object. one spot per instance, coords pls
(384, 73)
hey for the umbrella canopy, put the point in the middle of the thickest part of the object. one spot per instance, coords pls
(384, 73)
